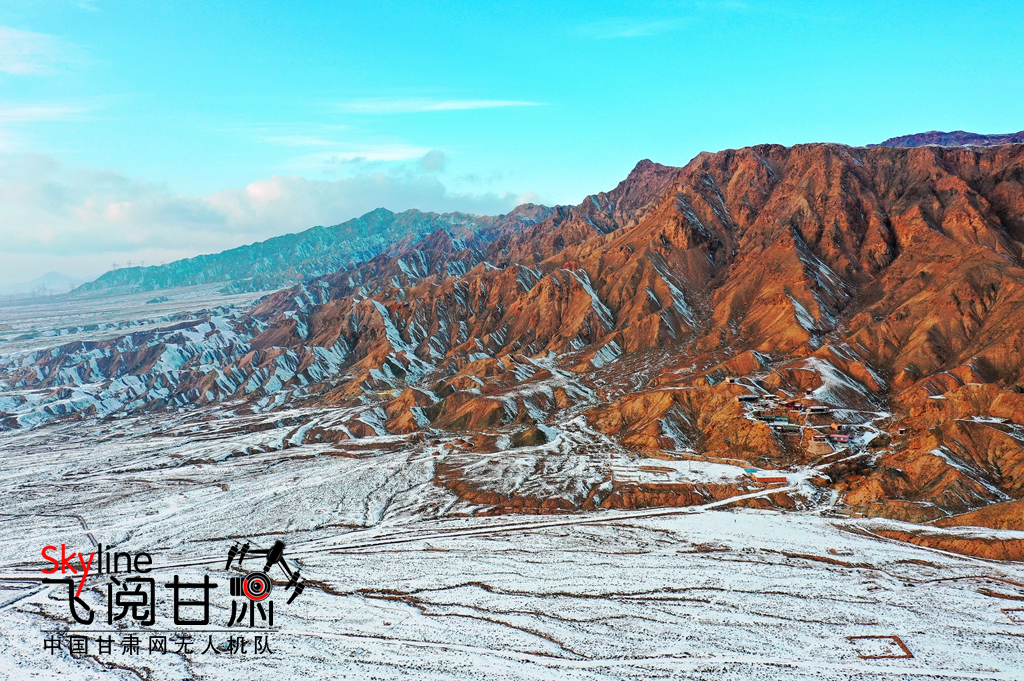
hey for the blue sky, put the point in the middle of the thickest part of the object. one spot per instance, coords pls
(155, 130)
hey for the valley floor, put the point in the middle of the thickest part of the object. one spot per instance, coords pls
(404, 581)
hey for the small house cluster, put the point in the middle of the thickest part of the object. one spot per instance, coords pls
(770, 406)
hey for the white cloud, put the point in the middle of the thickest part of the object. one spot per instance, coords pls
(434, 161)
(414, 105)
(12, 115)
(529, 197)
(24, 53)
(79, 220)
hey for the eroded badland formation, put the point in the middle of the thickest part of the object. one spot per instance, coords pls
(852, 316)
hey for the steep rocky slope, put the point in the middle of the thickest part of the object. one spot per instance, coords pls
(852, 317)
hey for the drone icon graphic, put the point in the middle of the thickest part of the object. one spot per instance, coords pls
(257, 585)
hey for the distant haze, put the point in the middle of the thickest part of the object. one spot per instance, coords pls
(48, 284)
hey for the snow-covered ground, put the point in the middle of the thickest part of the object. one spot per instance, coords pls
(46, 322)
(404, 582)
(653, 471)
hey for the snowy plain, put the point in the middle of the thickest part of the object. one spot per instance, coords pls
(404, 581)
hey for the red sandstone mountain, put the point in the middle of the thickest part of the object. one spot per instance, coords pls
(955, 138)
(885, 284)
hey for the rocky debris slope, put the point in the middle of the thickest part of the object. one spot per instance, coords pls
(848, 318)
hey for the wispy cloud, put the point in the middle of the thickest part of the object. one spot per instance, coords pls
(18, 113)
(299, 141)
(630, 28)
(417, 105)
(339, 159)
(689, 14)
(331, 149)
(24, 53)
(373, 152)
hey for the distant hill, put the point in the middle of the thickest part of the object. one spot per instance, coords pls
(294, 258)
(49, 283)
(956, 138)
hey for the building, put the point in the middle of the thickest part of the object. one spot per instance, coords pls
(769, 477)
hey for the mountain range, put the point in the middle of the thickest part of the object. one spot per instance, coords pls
(852, 314)
(956, 138)
(295, 258)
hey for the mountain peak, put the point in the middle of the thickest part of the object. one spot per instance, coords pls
(648, 168)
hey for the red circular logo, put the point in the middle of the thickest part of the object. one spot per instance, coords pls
(256, 586)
